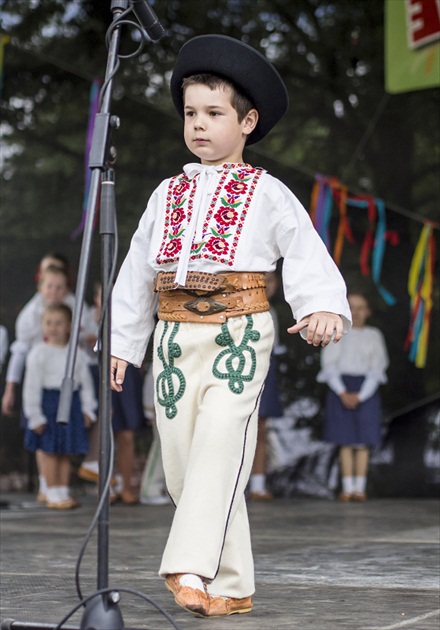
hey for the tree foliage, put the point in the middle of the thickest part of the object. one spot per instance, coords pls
(340, 122)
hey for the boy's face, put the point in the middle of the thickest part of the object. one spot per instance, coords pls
(53, 288)
(56, 328)
(212, 131)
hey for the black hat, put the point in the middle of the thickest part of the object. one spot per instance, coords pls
(241, 64)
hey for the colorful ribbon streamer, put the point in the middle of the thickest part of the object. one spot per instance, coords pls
(420, 289)
(329, 191)
(379, 251)
(93, 110)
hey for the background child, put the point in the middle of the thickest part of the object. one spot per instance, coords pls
(153, 487)
(127, 417)
(353, 370)
(52, 288)
(270, 406)
(89, 469)
(45, 367)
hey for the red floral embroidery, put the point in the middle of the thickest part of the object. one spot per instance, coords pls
(177, 216)
(218, 246)
(224, 219)
(173, 247)
(236, 188)
(226, 216)
(180, 189)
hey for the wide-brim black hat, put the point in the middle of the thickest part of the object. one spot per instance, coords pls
(241, 64)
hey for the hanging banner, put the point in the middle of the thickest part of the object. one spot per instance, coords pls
(412, 45)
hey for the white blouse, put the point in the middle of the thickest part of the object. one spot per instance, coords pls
(360, 353)
(217, 219)
(28, 332)
(45, 367)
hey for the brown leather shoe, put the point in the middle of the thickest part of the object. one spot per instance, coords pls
(220, 606)
(191, 599)
(359, 496)
(345, 496)
(128, 498)
(260, 496)
(67, 504)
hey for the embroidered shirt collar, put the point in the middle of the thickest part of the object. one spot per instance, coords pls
(194, 168)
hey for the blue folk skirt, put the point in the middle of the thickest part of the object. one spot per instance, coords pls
(270, 405)
(127, 407)
(59, 439)
(350, 427)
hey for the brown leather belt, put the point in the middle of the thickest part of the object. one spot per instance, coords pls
(211, 298)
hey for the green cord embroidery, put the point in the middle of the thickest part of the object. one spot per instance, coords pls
(165, 390)
(238, 360)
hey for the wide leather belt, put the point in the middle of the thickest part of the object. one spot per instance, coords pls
(213, 306)
(202, 281)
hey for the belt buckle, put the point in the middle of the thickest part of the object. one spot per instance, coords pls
(204, 305)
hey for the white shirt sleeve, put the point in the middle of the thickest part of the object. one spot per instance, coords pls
(134, 302)
(312, 282)
(33, 388)
(379, 362)
(27, 333)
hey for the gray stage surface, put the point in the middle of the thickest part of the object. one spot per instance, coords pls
(319, 564)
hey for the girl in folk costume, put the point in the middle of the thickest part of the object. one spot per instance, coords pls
(199, 257)
(45, 367)
(353, 371)
(52, 288)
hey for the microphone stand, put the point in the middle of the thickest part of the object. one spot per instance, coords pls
(101, 610)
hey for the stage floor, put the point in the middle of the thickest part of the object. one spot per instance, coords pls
(319, 564)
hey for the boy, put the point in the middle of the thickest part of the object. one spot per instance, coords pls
(203, 247)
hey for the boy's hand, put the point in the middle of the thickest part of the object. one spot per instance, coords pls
(320, 328)
(117, 373)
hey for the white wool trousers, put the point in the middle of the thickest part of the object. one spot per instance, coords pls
(208, 382)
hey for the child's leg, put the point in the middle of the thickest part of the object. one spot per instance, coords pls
(346, 458)
(39, 458)
(259, 467)
(50, 469)
(153, 478)
(362, 456)
(124, 456)
(63, 470)
(208, 435)
(257, 482)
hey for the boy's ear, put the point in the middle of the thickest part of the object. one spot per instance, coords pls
(250, 121)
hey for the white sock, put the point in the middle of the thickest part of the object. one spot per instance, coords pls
(92, 466)
(257, 483)
(42, 484)
(63, 493)
(191, 580)
(53, 494)
(360, 483)
(348, 485)
(119, 487)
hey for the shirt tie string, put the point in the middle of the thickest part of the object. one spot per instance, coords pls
(208, 177)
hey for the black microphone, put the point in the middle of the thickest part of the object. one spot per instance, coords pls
(148, 19)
